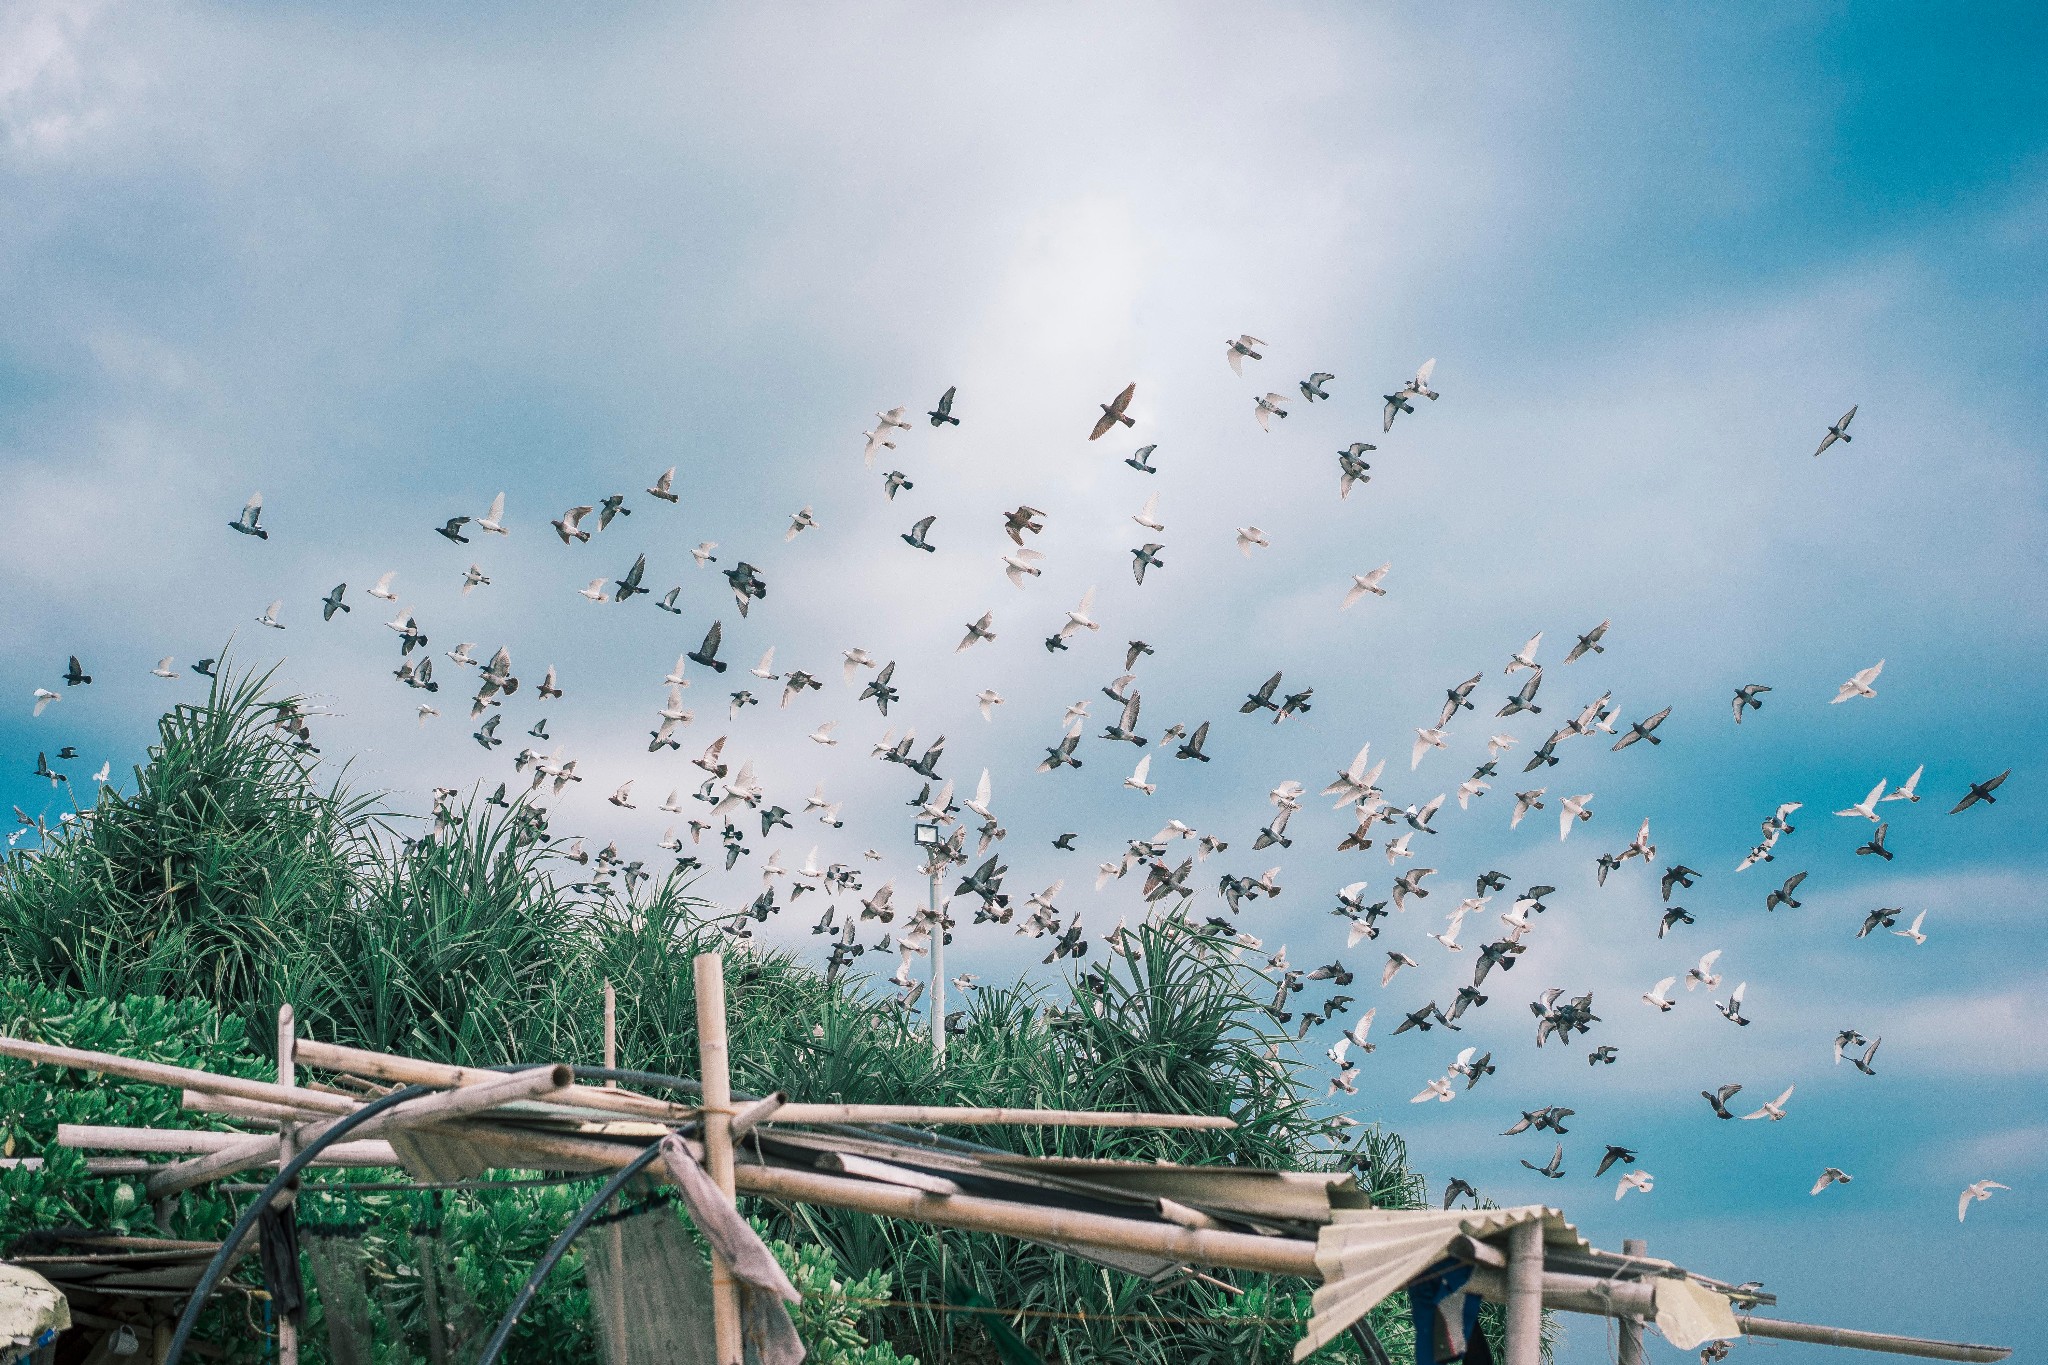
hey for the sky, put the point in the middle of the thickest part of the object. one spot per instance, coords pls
(383, 265)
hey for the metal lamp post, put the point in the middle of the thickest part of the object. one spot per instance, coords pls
(929, 839)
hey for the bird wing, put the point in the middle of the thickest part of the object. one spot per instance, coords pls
(1422, 375)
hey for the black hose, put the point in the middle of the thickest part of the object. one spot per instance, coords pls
(560, 1248)
(217, 1267)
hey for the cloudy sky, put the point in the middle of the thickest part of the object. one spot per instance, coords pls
(383, 267)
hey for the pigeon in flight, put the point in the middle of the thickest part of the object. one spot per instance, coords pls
(1981, 791)
(1418, 387)
(1643, 729)
(1589, 642)
(1554, 1168)
(1719, 1100)
(252, 515)
(1242, 349)
(1830, 1175)
(1838, 432)
(1976, 1193)
(1363, 583)
(942, 415)
(1114, 412)
(1145, 557)
(1860, 684)
(663, 488)
(569, 526)
(1352, 467)
(1746, 699)
(1270, 405)
(915, 536)
(1312, 387)
(1635, 1180)
(1141, 459)
(452, 529)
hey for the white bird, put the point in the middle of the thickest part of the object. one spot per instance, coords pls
(989, 699)
(1976, 1193)
(1914, 932)
(677, 675)
(1909, 789)
(105, 768)
(1525, 657)
(799, 523)
(1136, 781)
(623, 797)
(1248, 536)
(702, 554)
(1395, 962)
(1271, 405)
(1830, 1175)
(982, 793)
(1022, 563)
(1772, 1109)
(1573, 808)
(877, 439)
(823, 734)
(163, 668)
(44, 696)
(1703, 974)
(382, 588)
(664, 487)
(425, 711)
(854, 660)
(1149, 516)
(595, 591)
(1635, 1180)
(474, 577)
(1860, 684)
(1425, 740)
(1496, 745)
(1524, 803)
(1656, 994)
(1867, 807)
(1438, 1089)
(765, 670)
(1079, 619)
(1236, 351)
(1363, 583)
(269, 616)
(494, 520)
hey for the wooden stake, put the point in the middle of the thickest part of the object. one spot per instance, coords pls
(714, 1071)
(287, 1043)
(1629, 1350)
(611, 1032)
(614, 1235)
(1525, 1294)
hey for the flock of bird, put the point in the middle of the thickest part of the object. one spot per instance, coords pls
(725, 808)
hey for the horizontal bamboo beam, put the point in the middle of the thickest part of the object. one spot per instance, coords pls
(956, 1114)
(249, 1111)
(385, 1066)
(177, 1077)
(1637, 1299)
(1194, 1246)
(248, 1153)
(95, 1137)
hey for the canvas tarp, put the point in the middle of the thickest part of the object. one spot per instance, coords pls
(32, 1312)
(1689, 1314)
(1366, 1254)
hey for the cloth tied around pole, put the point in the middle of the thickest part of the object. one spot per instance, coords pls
(764, 1289)
(1446, 1319)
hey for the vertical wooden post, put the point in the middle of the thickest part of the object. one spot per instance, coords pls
(1525, 1294)
(287, 1046)
(715, 1072)
(1630, 1345)
(611, 1031)
(614, 1235)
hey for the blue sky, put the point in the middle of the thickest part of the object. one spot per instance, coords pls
(383, 267)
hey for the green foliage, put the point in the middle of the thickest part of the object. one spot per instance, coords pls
(231, 882)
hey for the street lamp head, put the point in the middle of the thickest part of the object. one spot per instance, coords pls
(927, 832)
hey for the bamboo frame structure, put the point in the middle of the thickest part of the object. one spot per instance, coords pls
(1629, 1333)
(287, 1043)
(941, 1114)
(1524, 1335)
(713, 1069)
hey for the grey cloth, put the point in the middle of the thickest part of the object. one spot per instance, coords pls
(650, 1293)
(763, 1288)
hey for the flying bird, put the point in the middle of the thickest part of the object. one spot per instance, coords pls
(252, 515)
(1746, 699)
(663, 487)
(1418, 387)
(1981, 791)
(1831, 1175)
(1113, 412)
(1860, 684)
(1838, 432)
(1976, 1193)
(1241, 350)
(942, 415)
(1312, 387)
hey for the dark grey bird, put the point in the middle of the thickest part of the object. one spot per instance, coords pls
(1125, 726)
(1193, 747)
(915, 536)
(1783, 895)
(612, 506)
(1312, 387)
(1642, 729)
(893, 482)
(880, 689)
(1133, 651)
(1114, 412)
(1673, 917)
(1456, 699)
(487, 734)
(630, 584)
(707, 653)
(1456, 1189)
(1262, 699)
(1146, 557)
(1606, 1052)
(1352, 467)
(1747, 699)
(1546, 753)
(1680, 875)
(1626, 1156)
(452, 528)
(1141, 459)
(204, 668)
(1884, 917)
(1876, 844)
(1981, 791)
(1863, 1063)
(1065, 843)
(1839, 431)
(1294, 704)
(746, 583)
(252, 515)
(1554, 1169)
(75, 674)
(1589, 643)
(1398, 401)
(667, 602)
(942, 415)
(1719, 1099)
(332, 603)
(1524, 700)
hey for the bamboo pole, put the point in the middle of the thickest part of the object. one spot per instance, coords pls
(1779, 1329)
(501, 1089)
(714, 1071)
(287, 1147)
(614, 1235)
(1629, 1341)
(957, 1114)
(1525, 1294)
(97, 1137)
(1170, 1241)
(385, 1066)
(177, 1077)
